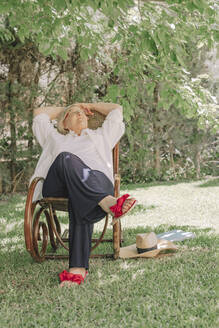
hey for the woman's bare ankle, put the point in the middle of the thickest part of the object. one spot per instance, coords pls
(76, 270)
(107, 202)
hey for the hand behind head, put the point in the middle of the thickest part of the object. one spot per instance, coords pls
(86, 109)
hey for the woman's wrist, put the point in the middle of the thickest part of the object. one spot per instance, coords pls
(101, 107)
(104, 108)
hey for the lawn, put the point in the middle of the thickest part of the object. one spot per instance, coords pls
(173, 291)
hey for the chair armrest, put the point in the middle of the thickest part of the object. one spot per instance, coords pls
(116, 184)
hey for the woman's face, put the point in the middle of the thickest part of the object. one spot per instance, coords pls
(76, 120)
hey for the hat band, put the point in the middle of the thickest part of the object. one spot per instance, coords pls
(143, 250)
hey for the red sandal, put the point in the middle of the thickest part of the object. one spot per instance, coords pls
(117, 208)
(75, 278)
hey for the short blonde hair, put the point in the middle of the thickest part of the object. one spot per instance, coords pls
(61, 118)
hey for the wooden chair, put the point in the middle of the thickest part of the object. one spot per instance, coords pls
(38, 232)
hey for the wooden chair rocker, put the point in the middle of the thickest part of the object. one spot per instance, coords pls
(38, 232)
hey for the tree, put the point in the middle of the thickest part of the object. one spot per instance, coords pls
(147, 67)
(158, 47)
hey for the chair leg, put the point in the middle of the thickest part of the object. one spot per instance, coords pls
(39, 242)
(117, 225)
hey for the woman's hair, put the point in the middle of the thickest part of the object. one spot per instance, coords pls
(61, 118)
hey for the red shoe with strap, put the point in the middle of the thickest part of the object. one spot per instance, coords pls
(117, 208)
(73, 277)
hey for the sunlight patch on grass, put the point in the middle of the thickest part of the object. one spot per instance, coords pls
(99, 274)
(10, 244)
(184, 248)
(12, 247)
(62, 214)
(5, 241)
(137, 274)
(110, 279)
(64, 226)
(125, 265)
(136, 217)
(140, 208)
(99, 225)
(10, 226)
(20, 207)
(6, 227)
(135, 220)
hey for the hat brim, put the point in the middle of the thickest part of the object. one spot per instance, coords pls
(131, 251)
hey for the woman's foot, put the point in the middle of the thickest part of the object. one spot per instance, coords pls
(75, 276)
(110, 201)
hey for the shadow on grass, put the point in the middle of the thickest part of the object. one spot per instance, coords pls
(209, 183)
(205, 238)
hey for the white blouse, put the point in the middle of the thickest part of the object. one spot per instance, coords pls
(93, 147)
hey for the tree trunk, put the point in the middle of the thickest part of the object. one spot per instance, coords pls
(13, 145)
(30, 113)
(156, 134)
(172, 163)
(70, 82)
(198, 161)
(157, 159)
(200, 139)
(30, 134)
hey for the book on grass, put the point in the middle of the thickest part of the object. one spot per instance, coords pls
(176, 235)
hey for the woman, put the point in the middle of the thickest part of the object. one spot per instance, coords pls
(76, 163)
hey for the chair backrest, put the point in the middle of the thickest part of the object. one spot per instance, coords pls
(95, 122)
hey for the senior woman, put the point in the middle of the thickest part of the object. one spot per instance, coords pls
(76, 163)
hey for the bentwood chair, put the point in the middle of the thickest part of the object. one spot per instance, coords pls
(42, 225)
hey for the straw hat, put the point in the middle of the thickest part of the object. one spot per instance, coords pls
(147, 245)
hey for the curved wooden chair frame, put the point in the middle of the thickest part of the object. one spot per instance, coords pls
(39, 233)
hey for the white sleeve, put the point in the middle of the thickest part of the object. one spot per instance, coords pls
(42, 127)
(113, 127)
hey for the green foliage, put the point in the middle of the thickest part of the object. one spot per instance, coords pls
(158, 48)
(52, 24)
(145, 56)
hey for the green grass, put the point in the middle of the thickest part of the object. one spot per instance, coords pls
(213, 182)
(132, 186)
(210, 183)
(173, 291)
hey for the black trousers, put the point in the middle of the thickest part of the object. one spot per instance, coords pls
(70, 177)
